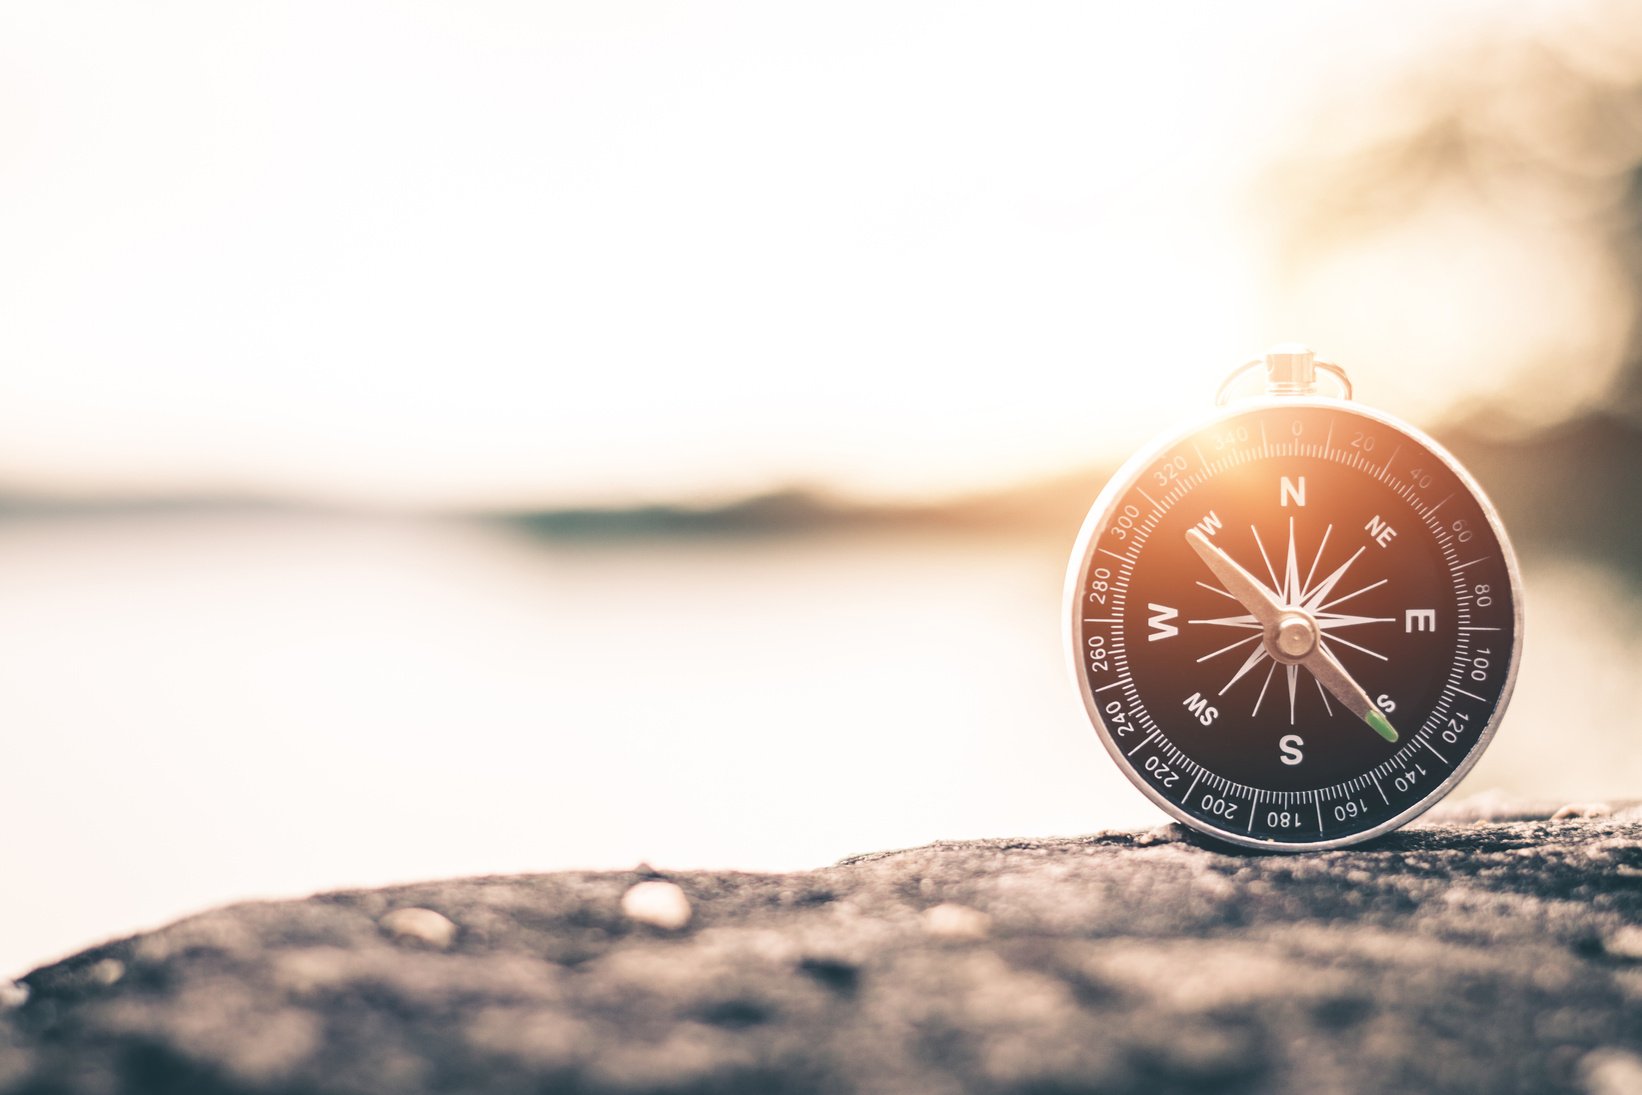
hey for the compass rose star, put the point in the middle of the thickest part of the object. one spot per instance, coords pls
(1302, 597)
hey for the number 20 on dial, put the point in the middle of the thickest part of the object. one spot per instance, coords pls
(1294, 625)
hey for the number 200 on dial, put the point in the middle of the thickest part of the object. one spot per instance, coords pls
(1295, 626)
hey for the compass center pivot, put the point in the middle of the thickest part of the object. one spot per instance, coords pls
(1295, 636)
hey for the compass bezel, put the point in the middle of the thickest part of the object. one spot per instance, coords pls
(1128, 476)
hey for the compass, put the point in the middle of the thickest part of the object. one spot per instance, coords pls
(1295, 624)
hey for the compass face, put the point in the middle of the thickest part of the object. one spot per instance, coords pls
(1295, 627)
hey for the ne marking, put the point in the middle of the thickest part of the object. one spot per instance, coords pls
(1142, 745)
(1114, 684)
(1479, 629)
(1472, 563)
(1193, 787)
(1473, 695)
(1319, 804)
(1115, 555)
(1378, 788)
(1434, 752)
(1149, 498)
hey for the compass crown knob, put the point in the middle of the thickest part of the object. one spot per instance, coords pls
(1291, 369)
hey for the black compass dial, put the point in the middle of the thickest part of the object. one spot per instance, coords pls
(1295, 626)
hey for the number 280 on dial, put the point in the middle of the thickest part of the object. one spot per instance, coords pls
(1295, 626)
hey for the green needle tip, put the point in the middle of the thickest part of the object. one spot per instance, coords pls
(1382, 726)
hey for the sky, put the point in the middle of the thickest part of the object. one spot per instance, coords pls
(495, 254)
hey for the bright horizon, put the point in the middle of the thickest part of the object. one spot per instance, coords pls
(498, 255)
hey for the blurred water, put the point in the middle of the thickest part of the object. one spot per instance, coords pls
(201, 708)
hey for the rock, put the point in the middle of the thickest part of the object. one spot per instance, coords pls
(1488, 955)
(660, 904)
(422, 926)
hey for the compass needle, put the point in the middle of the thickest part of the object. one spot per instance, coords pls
(1340, 570)
(1245, 587)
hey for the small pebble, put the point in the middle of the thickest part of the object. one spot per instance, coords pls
(1624, 943)
(1611, 1072)
(420, 926)
(13, 994)
(949, 921)
(1163, 834)
(1582, 809)
(659, 904)
(108, 971)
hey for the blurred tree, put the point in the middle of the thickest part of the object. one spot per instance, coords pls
(1532, 128)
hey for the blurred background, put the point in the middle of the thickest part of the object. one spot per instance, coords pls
(443, 438)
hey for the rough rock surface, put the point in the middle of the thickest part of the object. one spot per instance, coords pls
(1463, 955)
